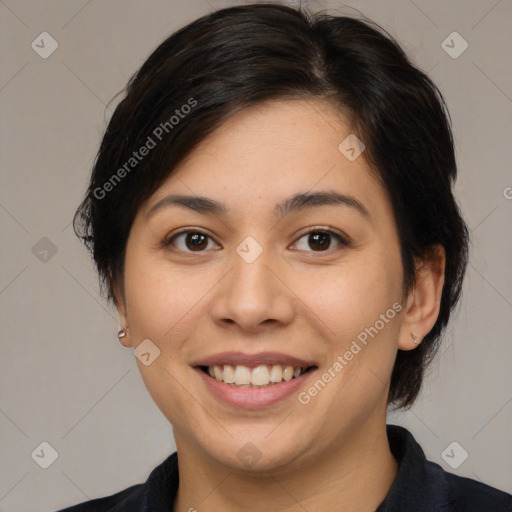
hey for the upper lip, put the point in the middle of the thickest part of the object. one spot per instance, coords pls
(262, 358)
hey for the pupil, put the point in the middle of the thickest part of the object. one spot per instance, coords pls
(198, 241)
(321, 239)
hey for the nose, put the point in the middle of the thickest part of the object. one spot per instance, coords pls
(254, 294)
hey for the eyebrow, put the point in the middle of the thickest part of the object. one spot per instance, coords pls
(296, 203)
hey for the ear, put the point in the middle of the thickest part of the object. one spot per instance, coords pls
(120, 303)
(424, 300)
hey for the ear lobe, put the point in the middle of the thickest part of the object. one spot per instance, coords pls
(424, 300)
(123, 334)
(124, 337)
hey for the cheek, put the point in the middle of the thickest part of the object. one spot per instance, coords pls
(359, 312)
(359, 308)
(353, 297)
(158, 297)
(162, 305)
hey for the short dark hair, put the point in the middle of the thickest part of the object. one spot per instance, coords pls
(241, 56)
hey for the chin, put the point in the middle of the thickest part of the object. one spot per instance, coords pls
(255, 452)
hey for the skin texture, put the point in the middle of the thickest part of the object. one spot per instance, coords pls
(297, 298)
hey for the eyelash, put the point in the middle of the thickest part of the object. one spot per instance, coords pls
(342, 241)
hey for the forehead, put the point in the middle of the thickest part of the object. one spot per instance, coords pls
(269, 152)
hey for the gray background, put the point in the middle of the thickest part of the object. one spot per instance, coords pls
(65, 379)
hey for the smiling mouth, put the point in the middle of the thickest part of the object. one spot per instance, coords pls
(261, 376)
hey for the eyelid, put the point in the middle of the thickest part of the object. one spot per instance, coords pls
(325, 229)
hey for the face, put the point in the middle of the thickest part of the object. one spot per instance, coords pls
(254, 281)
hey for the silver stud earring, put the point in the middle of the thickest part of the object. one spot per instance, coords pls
(121, 333)
(414, 337)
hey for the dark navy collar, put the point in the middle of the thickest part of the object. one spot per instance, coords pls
(420, 486)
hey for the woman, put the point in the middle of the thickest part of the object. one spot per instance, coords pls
(280, 239)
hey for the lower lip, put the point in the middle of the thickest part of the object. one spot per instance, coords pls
(251, 398)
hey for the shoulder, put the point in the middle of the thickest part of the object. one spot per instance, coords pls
(466, 494)
(423, 485)
(157, 494)
(117, 501)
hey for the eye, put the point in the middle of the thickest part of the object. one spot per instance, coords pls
(320, 240)
(189, 241)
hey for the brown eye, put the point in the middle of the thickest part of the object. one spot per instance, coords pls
(189, 241)
(320, 240)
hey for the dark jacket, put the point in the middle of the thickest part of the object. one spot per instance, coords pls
(420, 486)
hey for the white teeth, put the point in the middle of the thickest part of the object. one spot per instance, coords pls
(288, 373)
(276, 373)
(218, 372)
(242, 375)
(228, 375)
(260, 376)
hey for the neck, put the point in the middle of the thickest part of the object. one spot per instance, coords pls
(355, 477)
